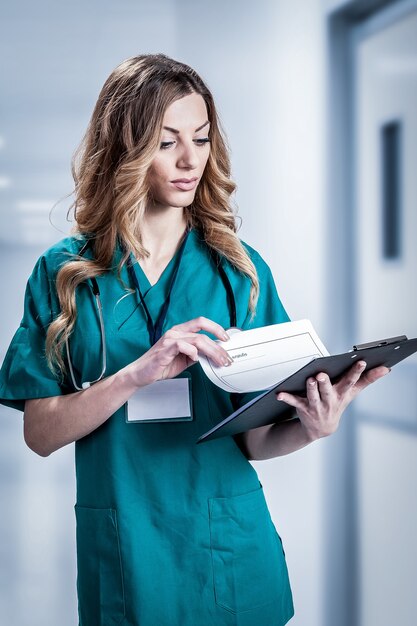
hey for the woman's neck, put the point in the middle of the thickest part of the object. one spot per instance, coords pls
(162, 232)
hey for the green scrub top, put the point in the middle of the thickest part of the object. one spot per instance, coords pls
(169, 533)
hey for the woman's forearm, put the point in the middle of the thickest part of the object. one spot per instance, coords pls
(50, 423)
(274, 440)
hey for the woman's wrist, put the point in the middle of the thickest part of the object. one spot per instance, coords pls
(316, 431)
(132, 377)
(127, 378)
(310, 434)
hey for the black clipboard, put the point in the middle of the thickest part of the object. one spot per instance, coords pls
(266, 409)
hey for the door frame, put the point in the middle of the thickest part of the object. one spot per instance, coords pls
(347, 22)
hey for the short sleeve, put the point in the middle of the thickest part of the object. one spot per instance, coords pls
(269, 310)
(25, 373)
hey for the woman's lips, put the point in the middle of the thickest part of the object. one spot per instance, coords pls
(185, 186)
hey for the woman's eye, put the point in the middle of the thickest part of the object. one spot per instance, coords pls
(202, 142)
(166, 144)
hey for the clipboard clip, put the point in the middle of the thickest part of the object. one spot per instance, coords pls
(380, 342)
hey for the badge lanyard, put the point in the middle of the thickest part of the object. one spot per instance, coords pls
(155, 329)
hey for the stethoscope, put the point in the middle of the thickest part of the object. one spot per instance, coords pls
(154, 329)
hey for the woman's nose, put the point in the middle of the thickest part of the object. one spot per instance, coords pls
(188, 157)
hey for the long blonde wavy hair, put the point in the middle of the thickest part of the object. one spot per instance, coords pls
(111, 192)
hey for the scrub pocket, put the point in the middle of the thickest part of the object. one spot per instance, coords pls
(100, 580)
(248, 560)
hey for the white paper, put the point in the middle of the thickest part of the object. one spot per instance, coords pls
(162, 400)
(265, 356)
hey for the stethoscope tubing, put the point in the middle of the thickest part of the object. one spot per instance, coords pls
(86, 385)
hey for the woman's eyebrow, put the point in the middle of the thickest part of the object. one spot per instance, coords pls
(174, 130)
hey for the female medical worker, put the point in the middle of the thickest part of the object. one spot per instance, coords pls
(169, 533)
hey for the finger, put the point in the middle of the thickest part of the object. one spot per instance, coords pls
(290, 399)
(313, 395)
(325, 386)
(189, 350)
(203, 323)
(372, 376)
(210, 349)
(350, 379)
(199, 340)
(172, 347)
(206, 346)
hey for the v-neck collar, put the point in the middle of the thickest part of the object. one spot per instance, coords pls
(144, 280)
(166, 274)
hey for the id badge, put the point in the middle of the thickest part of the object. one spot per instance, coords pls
(163, 401)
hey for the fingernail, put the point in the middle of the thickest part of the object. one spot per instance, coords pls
(280, 396)
(321, 379)
(225, 336)
(312, 383)
(362, 364)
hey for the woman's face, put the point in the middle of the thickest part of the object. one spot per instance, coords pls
(182, 156)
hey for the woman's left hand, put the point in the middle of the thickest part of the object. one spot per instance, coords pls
(321, 410)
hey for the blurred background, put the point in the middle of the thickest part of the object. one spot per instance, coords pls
(319, 102)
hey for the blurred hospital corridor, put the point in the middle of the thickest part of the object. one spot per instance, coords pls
(318, 100)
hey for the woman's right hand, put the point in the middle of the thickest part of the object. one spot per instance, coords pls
(177, 349)
(53, 422)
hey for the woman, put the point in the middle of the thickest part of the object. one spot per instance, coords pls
(168, 532)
